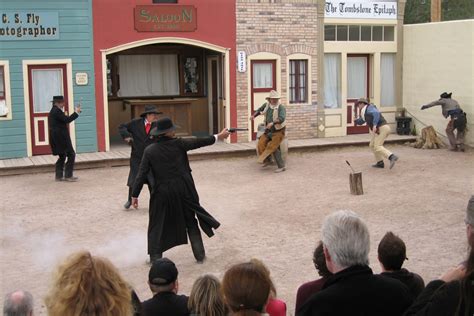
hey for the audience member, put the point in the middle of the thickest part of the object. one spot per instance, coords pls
(163, 282)
(246, 289)
(275, 307)
(391, 255)
(206, 297)
(18, 303)
(453, 293)
(88, 285)
(353, 289)
(306, 290)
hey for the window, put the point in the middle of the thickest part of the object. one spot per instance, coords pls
(387, 78)
(148, 75)
(5, 98)
(375, 33)
(46, 83)
(298, 81)
(262, 75)
(165, 1)
(332, 80)
(357, 77)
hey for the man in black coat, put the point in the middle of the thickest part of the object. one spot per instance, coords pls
(60, 140)
(353, 289)
(174, 201)
(137, 134)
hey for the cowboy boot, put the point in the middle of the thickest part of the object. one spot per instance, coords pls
(380, 164)
(197, 246)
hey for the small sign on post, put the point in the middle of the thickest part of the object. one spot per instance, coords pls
(242, 61)
(82, 79)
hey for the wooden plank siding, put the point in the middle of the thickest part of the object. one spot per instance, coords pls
(76, 43)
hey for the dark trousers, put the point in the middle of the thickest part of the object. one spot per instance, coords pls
(63, 171)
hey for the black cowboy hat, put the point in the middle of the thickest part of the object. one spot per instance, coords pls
(446, 95)
(163, 126)
(58, 98)
(150, 109)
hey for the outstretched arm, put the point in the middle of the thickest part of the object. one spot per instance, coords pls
(429, 105)
(190, 144)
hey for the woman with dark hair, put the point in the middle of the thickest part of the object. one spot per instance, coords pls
(246, 289)
(453, 294)
(307, 289)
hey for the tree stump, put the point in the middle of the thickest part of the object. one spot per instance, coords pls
(355, 181)
(428, 139)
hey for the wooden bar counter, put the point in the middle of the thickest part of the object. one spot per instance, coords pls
(179, 110)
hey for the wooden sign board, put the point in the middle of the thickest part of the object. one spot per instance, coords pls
(165, 18)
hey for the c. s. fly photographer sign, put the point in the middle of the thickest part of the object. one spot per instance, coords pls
(360, 9)
(31, 25)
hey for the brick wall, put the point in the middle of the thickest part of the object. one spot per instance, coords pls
(282, 27)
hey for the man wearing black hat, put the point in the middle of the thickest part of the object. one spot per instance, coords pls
(60, 140)
(137, 134)
(458, 122)
(379, 130)
(163, 282)
(174, 201)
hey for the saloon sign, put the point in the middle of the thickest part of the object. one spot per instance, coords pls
(361, 9)
(166, 18)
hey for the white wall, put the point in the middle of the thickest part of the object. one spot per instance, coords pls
(438, 57)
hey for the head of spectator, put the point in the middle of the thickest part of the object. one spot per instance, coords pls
(18, 303)
(391, 252)
(206, 297)
(163, 276)
(246, 289)
(263, 268)
(346, 241)
(88, 285)
(469, 220)
(319, 261)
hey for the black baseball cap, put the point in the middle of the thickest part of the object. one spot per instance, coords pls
(163, 272)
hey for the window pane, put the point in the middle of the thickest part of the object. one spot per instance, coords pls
(377, 33)
(329, 32)
(356, 77)
(2, 82)
(387, 78)
(263, 75)
(46, 84)
(365, 33)
(332, 80)
(354, 31)
(342, 32)
(388, 33)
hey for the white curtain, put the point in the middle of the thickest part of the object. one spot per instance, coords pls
(46, 84)
(148, 75)
(332, 80)
(356, 77)
(262, 75)
(387, 77)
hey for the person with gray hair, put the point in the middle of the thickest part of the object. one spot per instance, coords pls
(18, 303)
(353, 289)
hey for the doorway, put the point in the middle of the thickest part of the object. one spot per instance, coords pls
(262, 81)
(44, 82)
(358, 86)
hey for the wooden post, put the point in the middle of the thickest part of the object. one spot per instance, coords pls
(435, 10)
(355, 181)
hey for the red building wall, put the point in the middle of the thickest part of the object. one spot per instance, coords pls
(113, 25)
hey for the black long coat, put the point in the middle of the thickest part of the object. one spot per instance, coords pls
(135, 129)
(174, 192)
(59, 138)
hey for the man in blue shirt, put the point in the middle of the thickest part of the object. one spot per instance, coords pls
(379, 130)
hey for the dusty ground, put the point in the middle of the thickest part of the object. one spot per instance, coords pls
(276, 218)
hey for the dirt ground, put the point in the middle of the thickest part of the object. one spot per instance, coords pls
(274, 217)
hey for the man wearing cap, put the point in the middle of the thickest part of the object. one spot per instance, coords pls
(450, 108)
(379, 130)
(137, 134)
(163, 282)
(275, 125)
(60, 140)
(174, 201)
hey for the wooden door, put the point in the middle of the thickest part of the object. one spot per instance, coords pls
(263, 80)
(44, 82)
(358, 72)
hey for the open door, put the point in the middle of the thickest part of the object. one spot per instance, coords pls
(45, 81)
(358, 71)
(263, 80)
